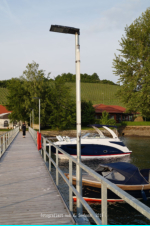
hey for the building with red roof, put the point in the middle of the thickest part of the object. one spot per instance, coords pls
(4, 119)
(115, 112)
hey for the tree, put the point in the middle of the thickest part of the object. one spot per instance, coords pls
(105, 119)
(4, 83)
(33, 83)
(95, 77)
(133, 65)
(87, 113)
(63, 109)
(16, 101)
(36, 84)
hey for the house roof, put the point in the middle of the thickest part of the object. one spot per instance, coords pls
(99, 108)
(3, 110)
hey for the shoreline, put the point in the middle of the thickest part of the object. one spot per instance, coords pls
(134, 131)
(127, 131)
(138, 131)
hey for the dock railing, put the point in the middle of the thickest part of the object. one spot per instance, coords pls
(105, 184)
(6, 139)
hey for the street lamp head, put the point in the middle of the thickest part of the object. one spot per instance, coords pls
(65, 29)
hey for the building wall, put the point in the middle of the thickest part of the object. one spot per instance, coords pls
(117, 117)
(10, 125)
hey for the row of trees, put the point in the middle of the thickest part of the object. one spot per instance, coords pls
(68, 77)
(94, 78)
(58, 109)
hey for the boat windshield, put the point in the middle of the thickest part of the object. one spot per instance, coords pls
(91, 135)
(113, 175)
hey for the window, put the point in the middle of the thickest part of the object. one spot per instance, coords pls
(5, 123)
(114, 175)
(111, 117)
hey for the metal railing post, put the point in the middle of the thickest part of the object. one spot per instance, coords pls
(44, 150)
(7, 141)
(41, 144)
(11, 136)
(35, 137)
(57, 175)
(3, 143)
(70, 189)
(104, 202)
(8, 138)
(50, 167)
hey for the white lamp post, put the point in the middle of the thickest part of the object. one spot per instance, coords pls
(76, 32)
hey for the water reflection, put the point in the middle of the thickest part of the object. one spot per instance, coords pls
(140, 147)
(118, 213)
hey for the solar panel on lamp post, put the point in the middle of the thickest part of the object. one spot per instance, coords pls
(76, 32)
(39, 110)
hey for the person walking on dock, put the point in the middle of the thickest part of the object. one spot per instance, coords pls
(24, 129)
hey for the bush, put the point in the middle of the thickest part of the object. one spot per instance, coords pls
(105, 119)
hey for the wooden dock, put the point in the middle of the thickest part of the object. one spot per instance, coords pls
(28, 194)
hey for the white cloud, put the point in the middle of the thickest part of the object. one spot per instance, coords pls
(117, 17)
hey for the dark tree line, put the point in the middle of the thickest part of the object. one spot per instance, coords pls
(68, 77)
(85, 78)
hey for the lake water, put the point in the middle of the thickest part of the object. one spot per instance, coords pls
(118, 213)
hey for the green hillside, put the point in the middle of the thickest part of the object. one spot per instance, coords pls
(98, 93)
(3, 94)
(95, 92)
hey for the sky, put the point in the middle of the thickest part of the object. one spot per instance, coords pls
(25, 35)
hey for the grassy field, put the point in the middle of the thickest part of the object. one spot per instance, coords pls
(3, 94)
(95, 92)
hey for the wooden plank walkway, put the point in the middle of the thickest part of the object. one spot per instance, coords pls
(27, 192)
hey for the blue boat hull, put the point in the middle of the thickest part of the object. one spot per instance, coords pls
(91, 150)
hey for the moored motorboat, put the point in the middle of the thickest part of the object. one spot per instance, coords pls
(93, 145)
(125, 175)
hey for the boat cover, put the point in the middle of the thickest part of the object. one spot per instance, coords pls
(130, 172)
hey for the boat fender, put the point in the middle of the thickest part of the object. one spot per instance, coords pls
(143, 195)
